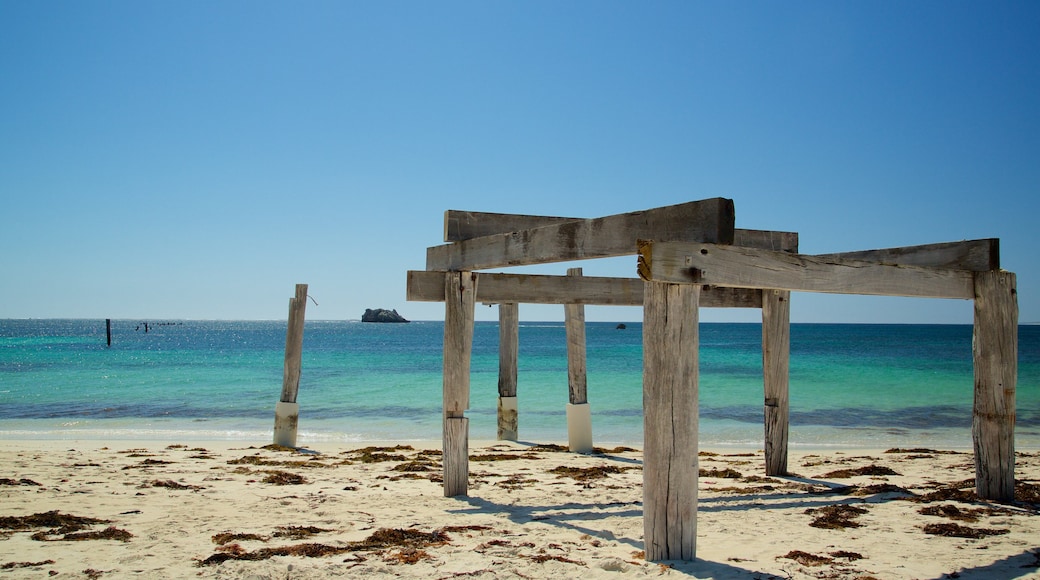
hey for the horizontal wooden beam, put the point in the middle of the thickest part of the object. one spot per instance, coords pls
(466, 225)
(427, 286)
(972, 255)
(693, 263)
(709, 220)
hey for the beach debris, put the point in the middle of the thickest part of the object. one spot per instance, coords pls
(587, 473)
(277, 477)
(503, 457)
(872, 470)
(836, 517)
(15, 482)
(51, 519)
(14, 565)
(1026, 492)
(723, 473)
(807, 559)
(169, 484)
(951, 530)
(147, 463)
(109, 533)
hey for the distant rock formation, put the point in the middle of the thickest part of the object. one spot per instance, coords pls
(381, 315)
(621, 326)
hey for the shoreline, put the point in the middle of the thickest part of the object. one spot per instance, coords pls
(233, 509)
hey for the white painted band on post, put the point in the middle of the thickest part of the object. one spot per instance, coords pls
(286, 420)
(579, 427)
(508, 413)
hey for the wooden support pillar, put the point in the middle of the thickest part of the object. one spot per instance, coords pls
(508, 350)
(579, 416)
(287, 411)
(776, 357)
(459, 295)
(670, 407)
(995, 346)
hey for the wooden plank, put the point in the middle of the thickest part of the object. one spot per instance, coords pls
(709, 220)
(496, 288)
(693, 263)
(508, 351)
(466, 225)
(458, 340)
(574, 324)
(776, 356)
(670, 406)
(972, 255)
(294, 345)
(456, 456)
(995, 343)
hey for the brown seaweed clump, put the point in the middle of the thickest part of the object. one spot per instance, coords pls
(951, 530)
(284, 478)
(836, 517)
(723, 473)
(867, 470)
(587, 473)
(807, 559)
(382, 539)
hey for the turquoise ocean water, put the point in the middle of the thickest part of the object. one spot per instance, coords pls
(851, 385)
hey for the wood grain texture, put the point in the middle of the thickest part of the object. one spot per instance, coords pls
(458, 340)
(694, 263)
(670, 406)
(776, 355)
(972, 255)
(995, 346)
(574, 324)
(495, 288)
(508, 351)
(456, 456)
(294, 345)
(466, 225)
(709, 220)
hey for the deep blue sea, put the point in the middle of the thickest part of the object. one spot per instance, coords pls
(852, 385)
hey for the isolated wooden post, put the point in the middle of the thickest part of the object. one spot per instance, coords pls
(776, 357)
(108, 331)
(508, 350)
(579, 415)
(287, 411)
(459, 295)
(995, 346)
(670, 408)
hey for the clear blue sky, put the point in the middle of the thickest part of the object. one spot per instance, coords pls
(164, 160)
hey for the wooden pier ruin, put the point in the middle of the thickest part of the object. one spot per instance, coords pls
(691, 256)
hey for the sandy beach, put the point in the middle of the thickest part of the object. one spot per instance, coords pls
(84, 509)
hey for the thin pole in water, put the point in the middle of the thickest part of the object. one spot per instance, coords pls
(108, 331)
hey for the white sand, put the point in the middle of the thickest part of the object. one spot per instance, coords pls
(520, 520)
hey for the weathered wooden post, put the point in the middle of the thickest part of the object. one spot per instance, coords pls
(459, 301)
(995, 346)
(287, 411)
(670, 406)
(579, 415)
(776, 355)
(508, 350)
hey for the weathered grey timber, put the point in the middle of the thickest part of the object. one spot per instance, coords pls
(508, 351)
(694, 263)
(287, 411)
(294, 345)
(995, 346)
(709, 220)
(574, 324)
(670, 353)
(496, 288)
(972, 255)
(691, 256)
(776, 355)
(466, 225)
(458, 349)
